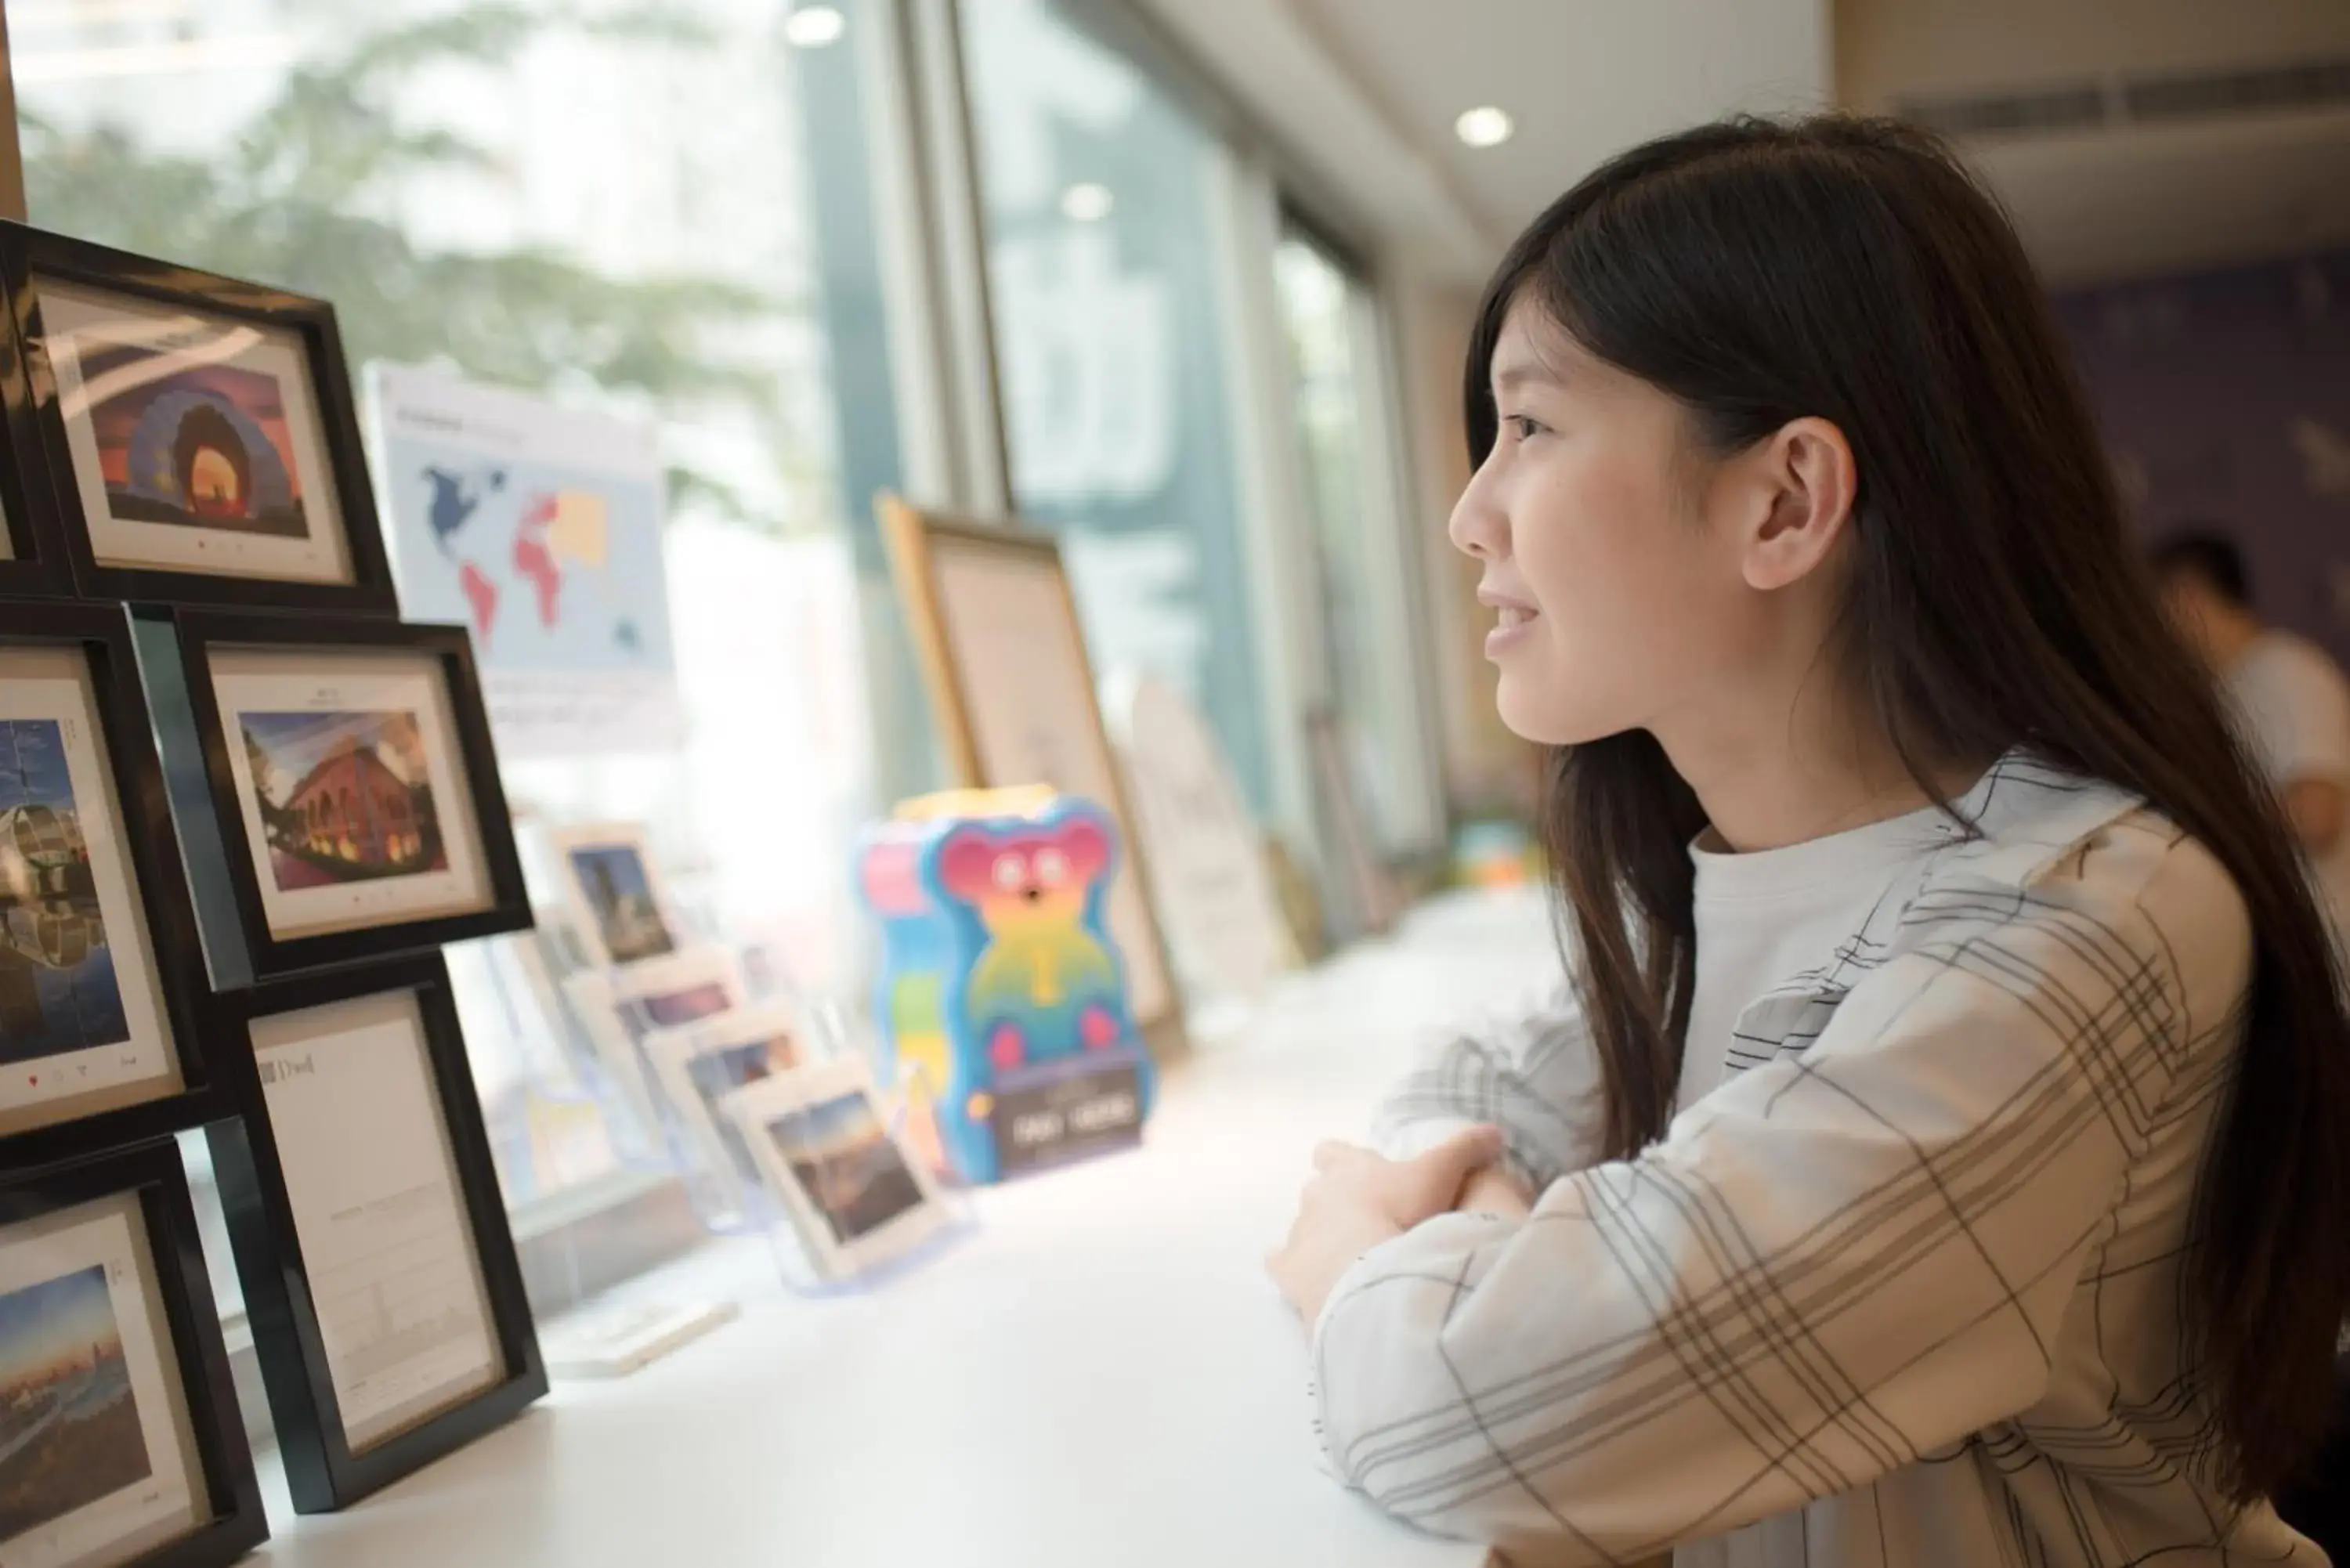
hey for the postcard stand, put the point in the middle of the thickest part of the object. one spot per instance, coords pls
(795, 1261)
(640, 1142)
(728, 1202)
(732, 1203)
(548, 1130)
(604, 1034)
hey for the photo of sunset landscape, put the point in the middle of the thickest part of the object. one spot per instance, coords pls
(69, 1427)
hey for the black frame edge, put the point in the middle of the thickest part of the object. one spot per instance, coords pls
(153, 850)
(268, 957)
(323, 1474)
(199, 1352)
(34, 420)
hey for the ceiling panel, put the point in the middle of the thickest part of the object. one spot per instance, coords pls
(1583, 78)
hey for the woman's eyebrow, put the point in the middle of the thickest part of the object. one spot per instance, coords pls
(1526, 372)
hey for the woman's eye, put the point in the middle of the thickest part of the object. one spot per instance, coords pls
(1524, 425)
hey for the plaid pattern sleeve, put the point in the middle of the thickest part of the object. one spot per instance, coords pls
(1534, 1076)
(1905, 1287)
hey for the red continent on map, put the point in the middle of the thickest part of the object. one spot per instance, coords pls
(482, 595)
(534, 560)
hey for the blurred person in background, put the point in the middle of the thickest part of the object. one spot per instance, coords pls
(2291, 699)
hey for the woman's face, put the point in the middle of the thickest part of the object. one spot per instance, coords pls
(1619, 598)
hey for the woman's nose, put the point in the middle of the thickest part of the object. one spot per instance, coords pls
(1479, 527)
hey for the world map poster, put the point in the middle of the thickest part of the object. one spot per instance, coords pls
(539, 529)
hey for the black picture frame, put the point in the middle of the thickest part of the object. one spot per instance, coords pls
(322, 1472)
(175, 648)
(192, 1330)
(36, 565)
(38, 426)
(152, 852)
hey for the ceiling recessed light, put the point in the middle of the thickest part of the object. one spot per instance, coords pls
(1087, 203)
(1485, 127)
(814, 26)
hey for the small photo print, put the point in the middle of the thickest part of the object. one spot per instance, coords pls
(196, 438)
(70, 1432)
(668, 1009)
(193, 445)
(344, 797)
(58, 990)
(620, 895)
(717, 1074)
(845, 1160)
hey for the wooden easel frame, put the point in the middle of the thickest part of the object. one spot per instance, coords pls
(914, 537)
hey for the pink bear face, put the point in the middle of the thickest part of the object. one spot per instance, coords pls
(1025, 878)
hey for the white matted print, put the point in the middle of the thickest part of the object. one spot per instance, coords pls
(98, 1461)
(83, 1026)
(622, 912)
(1021, 657)
(618, 1008)
(697, 1065)
(822, 1141)
(196, 441)
(379, 1210)
(352, 787)
(1207, 853)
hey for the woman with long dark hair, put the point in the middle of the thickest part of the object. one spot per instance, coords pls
(1938, 1153)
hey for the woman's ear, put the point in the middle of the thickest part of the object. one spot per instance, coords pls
(1803, 481)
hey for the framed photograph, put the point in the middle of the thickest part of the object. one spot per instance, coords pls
(368, 1230)
(1215, 887)
(697, 1066)
(1004, 656)
(99, 961)
(120, 1442)
(618, 1008)
(32, 550)
(822, 1143)
(199, 433)
(352, 786)
(622, 913)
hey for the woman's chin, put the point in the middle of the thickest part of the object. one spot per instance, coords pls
(1529, 718)
(1536, 705)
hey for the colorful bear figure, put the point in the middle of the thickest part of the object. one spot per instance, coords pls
(1044, 986)
(1001, 990)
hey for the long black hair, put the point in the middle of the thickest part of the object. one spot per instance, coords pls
(1848, 269)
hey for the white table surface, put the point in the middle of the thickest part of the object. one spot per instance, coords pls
(1100, 1374)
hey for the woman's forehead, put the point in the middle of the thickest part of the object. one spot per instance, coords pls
(1531, 347)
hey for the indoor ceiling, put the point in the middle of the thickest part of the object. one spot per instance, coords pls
(2099, 206)
(1361, 96)
(1583, 78)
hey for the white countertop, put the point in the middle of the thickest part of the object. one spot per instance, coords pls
(1101, 1374)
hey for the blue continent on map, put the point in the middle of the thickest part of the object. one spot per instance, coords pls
(455, 498)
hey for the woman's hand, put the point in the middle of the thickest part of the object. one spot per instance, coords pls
(1358, 1200)
(1494, 1191)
